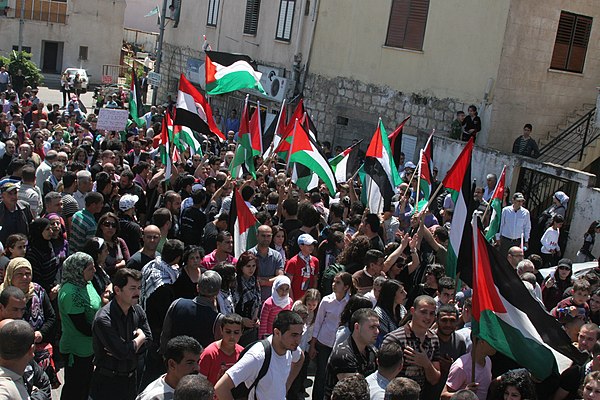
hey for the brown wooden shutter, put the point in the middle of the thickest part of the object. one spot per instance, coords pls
(408, 19)
(570, 46)
(251, 19)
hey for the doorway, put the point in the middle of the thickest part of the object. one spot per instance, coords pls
(52, 56)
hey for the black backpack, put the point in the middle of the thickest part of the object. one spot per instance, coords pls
(241, 392)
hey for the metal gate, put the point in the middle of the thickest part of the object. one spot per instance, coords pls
(538, 189)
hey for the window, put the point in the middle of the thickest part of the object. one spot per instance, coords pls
(83, 52)
(26, 49)
(571, 42)
(213, 12)
(408, 19)
(285, 20)
(251, 20)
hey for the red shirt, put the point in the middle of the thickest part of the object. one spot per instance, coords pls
(302, 278)
(214, 363)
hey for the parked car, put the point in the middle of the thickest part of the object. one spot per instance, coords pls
(83, 76)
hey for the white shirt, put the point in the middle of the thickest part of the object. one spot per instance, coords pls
(157, 390)
(377, 384)
(272, 385)
(328, 319)
(550, 240)
(514, 223)
(41, 174)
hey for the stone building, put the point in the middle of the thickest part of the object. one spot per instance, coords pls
(67, 33)
(517, 61)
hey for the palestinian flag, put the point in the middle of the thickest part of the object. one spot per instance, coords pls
(275, 131)
(283, 148)
(194, 111)
(242, 225)
(458, 182)
(341, 165)
(305, 152)
(184, 138)
(166, 135)
(395, 139)
(227, 72)
(255, 131)
(496, 206)
(378, 174)
(136, 107)
(512, 321)
(243, 161)
(425, 173)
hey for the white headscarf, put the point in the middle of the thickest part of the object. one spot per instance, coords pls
(277, 299)
(562, 197)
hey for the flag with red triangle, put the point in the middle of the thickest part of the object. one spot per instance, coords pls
(243, 160)
(395, 139)
(425, 173)
(496, 206)
(243, 225)
(278, 132)
(255, 130)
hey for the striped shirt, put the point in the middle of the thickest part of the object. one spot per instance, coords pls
(83, 228)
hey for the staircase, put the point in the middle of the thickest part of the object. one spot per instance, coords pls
(574, 140)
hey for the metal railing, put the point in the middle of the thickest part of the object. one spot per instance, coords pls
(571, 142)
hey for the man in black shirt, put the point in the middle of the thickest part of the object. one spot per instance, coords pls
(211, 231)
(150, 238)
(119, 332)
(193, 219)
(356, 354)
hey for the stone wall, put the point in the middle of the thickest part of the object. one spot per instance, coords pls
(344, 109)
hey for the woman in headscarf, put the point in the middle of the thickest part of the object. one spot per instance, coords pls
(560, 202)
(59, 241)
(78, 303)
(279, 301)
(41, 255)
(38, 313)
(96, 247)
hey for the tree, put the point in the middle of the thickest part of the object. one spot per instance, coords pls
(22, 61)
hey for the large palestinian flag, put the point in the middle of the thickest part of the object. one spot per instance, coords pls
(136, 107)
(378, 174)
(227, 72)
(242, 225)
(304, 152)
(194, 111)
(496, 206)
(458, 183)
(511, 320)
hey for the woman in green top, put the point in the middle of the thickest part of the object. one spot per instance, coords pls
(78, 302)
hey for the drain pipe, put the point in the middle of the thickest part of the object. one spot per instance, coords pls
(310, 44)
(295, 78)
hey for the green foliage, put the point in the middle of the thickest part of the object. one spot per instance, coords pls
(139, 72)
(22, 61)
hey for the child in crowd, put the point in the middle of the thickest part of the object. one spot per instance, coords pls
(550, 248)
(220, 355)
(280, 300)
(16, 246)
(576, 304)
(303, 268)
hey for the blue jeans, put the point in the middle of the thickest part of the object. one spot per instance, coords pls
(323, 353)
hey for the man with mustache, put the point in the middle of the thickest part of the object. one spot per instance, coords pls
(119, 332)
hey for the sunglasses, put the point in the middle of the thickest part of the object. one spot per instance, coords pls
(110, 224)
(564, 268)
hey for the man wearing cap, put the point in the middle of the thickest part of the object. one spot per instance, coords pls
(127, 186)
(515, 224)
(303, 268)
(15, 215)
(131, 232)
(197, 318)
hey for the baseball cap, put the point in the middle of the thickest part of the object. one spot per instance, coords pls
(127, 201)
(6, 185)
(209, 284)
(565, 262)
(306, 238)
(410, 165)
(519, 197)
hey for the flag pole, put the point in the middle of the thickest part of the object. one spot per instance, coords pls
(493, 194)
(410, 180)
(473, 359)
(418, 180)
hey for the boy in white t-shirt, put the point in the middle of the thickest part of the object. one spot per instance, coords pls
(286, 361)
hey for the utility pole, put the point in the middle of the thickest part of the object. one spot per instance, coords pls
(21, 25)
(161, 36)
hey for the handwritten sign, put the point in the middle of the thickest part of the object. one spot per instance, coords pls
(112, 119)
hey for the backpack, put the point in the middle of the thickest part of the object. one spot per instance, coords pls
(241, 392)
(328, 275)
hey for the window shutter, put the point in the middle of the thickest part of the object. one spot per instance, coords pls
(251, 19)
(285, 20)
(581, 37)
(213, 12)
(570, 46)
(408, 19)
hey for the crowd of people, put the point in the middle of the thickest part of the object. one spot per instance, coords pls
(126, 278)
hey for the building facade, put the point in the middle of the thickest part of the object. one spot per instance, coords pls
(63, 34)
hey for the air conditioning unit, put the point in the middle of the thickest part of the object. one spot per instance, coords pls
(277, 88)
(273, 82)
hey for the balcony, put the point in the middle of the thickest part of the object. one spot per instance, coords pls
(36, 10)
